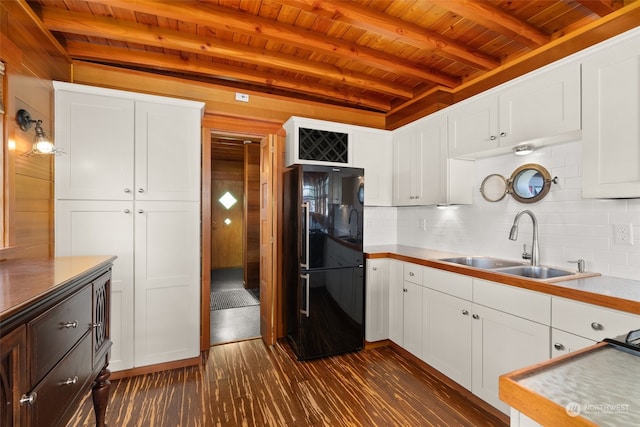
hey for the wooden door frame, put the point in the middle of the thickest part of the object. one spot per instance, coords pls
(234, 126)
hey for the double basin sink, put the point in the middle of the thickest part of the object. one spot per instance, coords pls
(510, 267)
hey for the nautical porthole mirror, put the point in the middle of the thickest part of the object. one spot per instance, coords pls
(494, 187)
(528, 184)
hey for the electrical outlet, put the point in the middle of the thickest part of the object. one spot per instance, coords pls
(623, 234)
(242, 97)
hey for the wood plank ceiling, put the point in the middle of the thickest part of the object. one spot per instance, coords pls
(387, 56)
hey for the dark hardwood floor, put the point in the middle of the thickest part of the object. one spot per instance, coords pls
(249, 384)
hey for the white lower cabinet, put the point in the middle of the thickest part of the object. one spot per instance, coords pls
(564, 343)
(167, 282)
(156, 320)
(412, 336)
(502, 343)
(88, 227)
(396, 302)
(590, 321)
(377, 300)
(446, 335)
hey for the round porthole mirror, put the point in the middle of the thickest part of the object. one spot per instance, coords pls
(494, 188)
(530, 183)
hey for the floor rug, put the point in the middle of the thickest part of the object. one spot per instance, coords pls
(221, 300)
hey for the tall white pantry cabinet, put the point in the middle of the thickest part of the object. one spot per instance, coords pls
(128, 184)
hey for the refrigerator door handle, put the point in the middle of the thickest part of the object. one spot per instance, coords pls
(306, 310)
(305, 264)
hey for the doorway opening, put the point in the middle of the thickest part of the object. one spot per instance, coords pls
(235, 239)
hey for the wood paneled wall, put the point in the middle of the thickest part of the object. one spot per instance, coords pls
(32, 61)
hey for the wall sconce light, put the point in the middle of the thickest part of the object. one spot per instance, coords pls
(523, 150)
(42, 144)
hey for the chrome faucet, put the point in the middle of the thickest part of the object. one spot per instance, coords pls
(513, 235)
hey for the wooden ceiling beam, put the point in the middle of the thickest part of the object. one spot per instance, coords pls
(497, 20)
(290, 35)
(56, 19)
(152, 60)
(602, 7)
(397, 29)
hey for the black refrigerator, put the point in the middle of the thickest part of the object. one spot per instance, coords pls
(323, 262)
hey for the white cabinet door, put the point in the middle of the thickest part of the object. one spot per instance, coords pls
(396, 302)
(104, 228)
(96, 133)
(473, 127)
(447, 335)
(373, 151)
(412, 339)
(564, 343)
(543, 106)
(167, 152)
(611, 125)
(377, 300)
(167, 277)
(502, 343)
(404, 141)
(410, 176)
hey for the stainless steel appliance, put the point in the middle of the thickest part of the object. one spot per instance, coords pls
(323, 267)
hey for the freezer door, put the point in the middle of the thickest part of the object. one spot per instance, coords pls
(330, 313)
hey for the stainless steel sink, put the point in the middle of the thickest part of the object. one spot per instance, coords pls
(536, 272)
(486, 263)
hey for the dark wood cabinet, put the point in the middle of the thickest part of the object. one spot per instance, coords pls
(54, 346)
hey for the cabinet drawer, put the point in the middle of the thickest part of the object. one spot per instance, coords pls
(457, 285)
(52, 334)
(519, 302)
(58, 390)
(590, 321)
(413, 273)
(563, 342)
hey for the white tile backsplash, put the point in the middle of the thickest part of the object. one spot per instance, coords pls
(569, 227)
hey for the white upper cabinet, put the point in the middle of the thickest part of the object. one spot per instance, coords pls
(96, 132)
(540, 109)
(123, 146)
(167, 146)
(408, 152)
(611, 120)
(372, 151)
(422, 172)
(318, 142)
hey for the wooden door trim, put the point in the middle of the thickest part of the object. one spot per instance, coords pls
(276, 308)
(205, 238)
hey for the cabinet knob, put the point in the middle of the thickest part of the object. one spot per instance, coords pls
(140, 211)
(140, 190)
(493, 137)
(596, 326)
(558, 346)
(28, 399)
(374, 268)
(70, 381)
(503, 134)
(126, 211)
(465, 312)
(68, 325)
(127, 190)
(475, 316)
(411, 274)
(404, 290)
